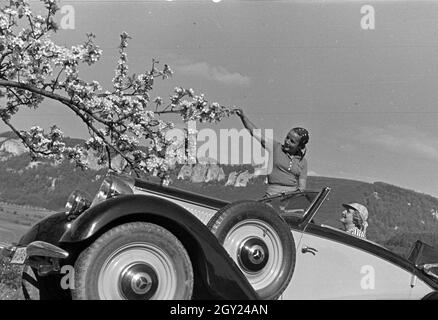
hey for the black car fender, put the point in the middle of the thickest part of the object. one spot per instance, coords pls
(216, 274)
(50, 229)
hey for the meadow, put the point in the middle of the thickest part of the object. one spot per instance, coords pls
(15, 220)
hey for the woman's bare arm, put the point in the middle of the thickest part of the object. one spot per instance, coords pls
(255, 132)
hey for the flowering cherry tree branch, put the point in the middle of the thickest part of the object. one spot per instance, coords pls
(122, 119)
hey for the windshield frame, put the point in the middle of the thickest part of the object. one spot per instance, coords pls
(311, 210)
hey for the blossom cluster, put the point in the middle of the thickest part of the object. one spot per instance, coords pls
(121, 120)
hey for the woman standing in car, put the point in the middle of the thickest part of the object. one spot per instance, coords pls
(289, 166)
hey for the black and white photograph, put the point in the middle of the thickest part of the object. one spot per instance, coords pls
(218, 150)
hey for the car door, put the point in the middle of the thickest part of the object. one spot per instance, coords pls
(333, 265)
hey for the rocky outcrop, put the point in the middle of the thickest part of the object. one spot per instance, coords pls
(93, 162)
(231, 178)
(12, 147)
(215, 173)
(185, 172)
(199, 173)
(33, 165)
(243, 179)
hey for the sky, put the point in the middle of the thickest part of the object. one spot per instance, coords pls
(366, 92)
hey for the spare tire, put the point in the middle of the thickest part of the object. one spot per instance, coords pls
(260, 242)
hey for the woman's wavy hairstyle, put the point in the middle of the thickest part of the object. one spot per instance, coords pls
(304, 139)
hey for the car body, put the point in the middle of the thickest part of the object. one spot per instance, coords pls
(323, 262)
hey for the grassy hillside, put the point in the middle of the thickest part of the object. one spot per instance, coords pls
(44, 184)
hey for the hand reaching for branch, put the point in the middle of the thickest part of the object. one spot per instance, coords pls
(239, 112)
(252, 128)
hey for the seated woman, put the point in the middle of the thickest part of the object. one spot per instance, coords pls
(354, 218)
(289, 167)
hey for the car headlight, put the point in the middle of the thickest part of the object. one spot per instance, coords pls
(113, 186)
(77, 202)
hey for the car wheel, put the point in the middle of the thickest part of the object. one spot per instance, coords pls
(134, 261)
(260, 242)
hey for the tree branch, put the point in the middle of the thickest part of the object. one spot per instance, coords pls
(19, 85)
(168, 111)
(68, 103)
(57, 78)
(51, 95)
(23, 139)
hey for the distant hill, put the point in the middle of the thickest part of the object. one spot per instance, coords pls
(397, 216)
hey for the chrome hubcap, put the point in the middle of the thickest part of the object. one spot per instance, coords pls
(138, 271)
(260, 255)
(138, 282)
(253, 255)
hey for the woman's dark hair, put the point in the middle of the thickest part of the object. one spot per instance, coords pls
(304, 139)
(303, 134)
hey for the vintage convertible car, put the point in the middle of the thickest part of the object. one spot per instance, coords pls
(139, 240)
